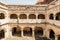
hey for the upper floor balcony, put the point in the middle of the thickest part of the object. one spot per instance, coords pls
(54, 22)
(54, 19)
(31, 18)
(27, 21)
(23, 18)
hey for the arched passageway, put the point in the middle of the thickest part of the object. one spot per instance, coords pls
(2, 16)
(16, 31)
(2, 34)
(58, 16)
(41, 16)
(51, 16)
(52, 35)
(13, 16)
(23, 16)
(38, 31)
(32, 16)
(27, 31)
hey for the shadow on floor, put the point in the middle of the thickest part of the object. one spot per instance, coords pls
(41, 38)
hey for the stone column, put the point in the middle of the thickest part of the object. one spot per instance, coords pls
(54, 17)
(32, 33)
(6, 34)
(27, 16)
(22, 32)
(44, 32)
(37, 16)
(56, 37)
(47, 33)
(7, 31)
(10, 33)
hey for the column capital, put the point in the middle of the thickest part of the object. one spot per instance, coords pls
(22, 29)
(56, 34)
(33, 29)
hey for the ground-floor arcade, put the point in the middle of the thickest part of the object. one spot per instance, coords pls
(30, 31)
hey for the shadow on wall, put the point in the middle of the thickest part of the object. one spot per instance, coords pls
(16, 32)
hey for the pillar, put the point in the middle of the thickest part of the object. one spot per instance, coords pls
(10, 33)
(32, 33)
(27, 16)
(36, 16)
(6, 34)
(47, 33)
(56, 37)
(7, 31)
(22, 32)
(44, 32)
(54, 18)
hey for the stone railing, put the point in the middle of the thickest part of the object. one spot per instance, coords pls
(27, 21)
(55, 22)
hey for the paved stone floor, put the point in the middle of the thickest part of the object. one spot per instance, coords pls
(21, 38)
(27, 38)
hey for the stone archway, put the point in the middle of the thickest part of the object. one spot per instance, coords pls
(2, 16)
(32, 16)
(51, 16)
(13, 16)
(16, 31)
(2, 34)
(38, 31)
(41, 16)
(52, 35)
(23, 16)
(58, 16)
(27, 31)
